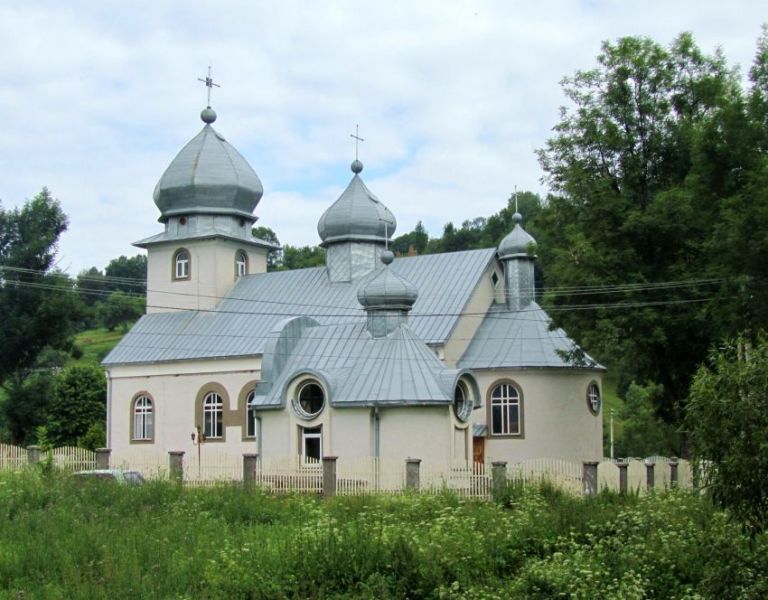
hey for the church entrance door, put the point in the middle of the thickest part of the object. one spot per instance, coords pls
(478, 449)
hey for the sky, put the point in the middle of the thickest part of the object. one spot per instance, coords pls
(452, 98)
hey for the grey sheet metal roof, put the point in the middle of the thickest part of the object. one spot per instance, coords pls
(201, 235)
(358, 369)
(521, 339)
(357, 215)
(479, 429)
(241, 323)
(208, 175)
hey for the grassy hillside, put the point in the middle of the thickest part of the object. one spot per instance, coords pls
(95, 344)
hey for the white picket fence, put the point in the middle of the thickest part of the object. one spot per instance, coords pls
(358, 476)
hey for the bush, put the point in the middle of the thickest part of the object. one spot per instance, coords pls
(79, 402)
(727, 414)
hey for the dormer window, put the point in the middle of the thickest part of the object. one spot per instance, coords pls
(241, 263)
(181, 264)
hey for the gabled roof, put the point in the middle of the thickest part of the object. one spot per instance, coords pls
(241, 322)
(358, 369)
(522, 339)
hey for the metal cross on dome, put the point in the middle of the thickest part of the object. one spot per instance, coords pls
(208, 81)
(357, 137)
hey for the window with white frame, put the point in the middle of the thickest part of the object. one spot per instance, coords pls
(241, 263)
(181, 264)
(505, 410)
(309, 399)
(213, 416)
(250, 416)
(594, 401)
(143, 421)
(463, 405)
(311, 445)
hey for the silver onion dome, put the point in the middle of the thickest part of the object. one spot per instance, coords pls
(517, 242)
(387, 290)
(208, 176)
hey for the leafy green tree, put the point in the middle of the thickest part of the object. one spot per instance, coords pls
(727, 414)
(120, 309)
(302, 257)
(639, 162)
(37, 305)
(643, 433)
(127, 274)
(274, 256)
(78, 402)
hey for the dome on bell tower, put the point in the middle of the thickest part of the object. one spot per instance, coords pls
(208, 176)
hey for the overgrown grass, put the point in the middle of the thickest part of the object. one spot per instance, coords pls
(66, 539)
(95, 344)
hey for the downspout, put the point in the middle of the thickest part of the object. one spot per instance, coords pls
(376, 432)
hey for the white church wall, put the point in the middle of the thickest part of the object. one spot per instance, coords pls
(423, 432)
(556, 420)
(175, 389)
(212, 273)
(466, 325)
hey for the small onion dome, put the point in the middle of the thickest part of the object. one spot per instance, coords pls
(517, 242)
(357, 215)
(387, 290)
(208, 176)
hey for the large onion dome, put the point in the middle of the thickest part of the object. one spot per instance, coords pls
(208, 176)
(357, 215)
(517, 242)
(387, 290)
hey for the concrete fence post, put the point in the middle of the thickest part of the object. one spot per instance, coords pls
(673, 474)
(329, 476)
(102, 458)
(589, 477)
(33, 455)
(176, 465)
(250, 466)
(650, 475)
(412, 473)
(499, 477)
(623, 477)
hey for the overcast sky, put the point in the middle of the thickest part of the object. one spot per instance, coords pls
(452, 98)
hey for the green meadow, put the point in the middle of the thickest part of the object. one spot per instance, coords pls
(61, 538)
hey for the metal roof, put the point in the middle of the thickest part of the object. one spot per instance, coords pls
(208, 176)
(517, 242)
(522, 339)
(357, 215)
(241, 322)
(360, 370)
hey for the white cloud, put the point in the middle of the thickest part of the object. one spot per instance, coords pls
(452, 98)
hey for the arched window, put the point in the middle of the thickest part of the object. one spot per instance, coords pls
(241, 263)
(143, 421)
(505, 410)
(181, 264)
(309, 400)
(250, 416)
(594, 401)
(213, 416)
(462, 402)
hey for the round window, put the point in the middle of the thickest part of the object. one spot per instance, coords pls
(310, 399)
(462, 402)
(594, 401)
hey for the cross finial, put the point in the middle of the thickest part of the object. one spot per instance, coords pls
(357, 137)
(516, 199)
(208, 81)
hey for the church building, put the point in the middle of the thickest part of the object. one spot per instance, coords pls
(443, 357)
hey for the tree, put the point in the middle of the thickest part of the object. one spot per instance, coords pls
(78, 402)
(120, 309)
(302, 257)
(727, 414)
(127, 274)
(639, 163)
(274, 256)
(37, 304)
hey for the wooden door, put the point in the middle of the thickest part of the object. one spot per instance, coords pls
(478, 449)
